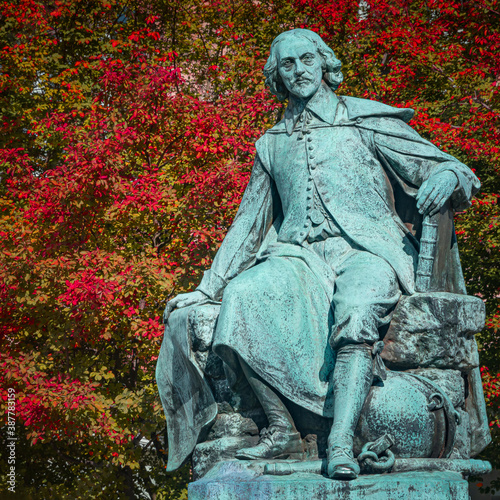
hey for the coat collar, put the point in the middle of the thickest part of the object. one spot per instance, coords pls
(323, 104)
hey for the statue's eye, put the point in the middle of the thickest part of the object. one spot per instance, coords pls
(287, 64)
(308, 59)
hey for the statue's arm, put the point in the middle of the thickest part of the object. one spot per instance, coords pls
(244, 238)
(436, 175)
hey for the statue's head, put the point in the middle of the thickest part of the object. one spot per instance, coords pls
(298, 61)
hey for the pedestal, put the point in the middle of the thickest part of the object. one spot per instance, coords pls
(237, 480)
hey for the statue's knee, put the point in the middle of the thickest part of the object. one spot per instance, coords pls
(240, 290)
(356, 326)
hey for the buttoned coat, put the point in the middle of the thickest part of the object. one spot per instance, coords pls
(366, 164)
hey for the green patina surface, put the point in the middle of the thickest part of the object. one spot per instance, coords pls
(347, 213)
(232, 481)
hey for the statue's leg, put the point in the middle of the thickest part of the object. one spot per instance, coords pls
(352, 379)
(366, 291)
(281, 438)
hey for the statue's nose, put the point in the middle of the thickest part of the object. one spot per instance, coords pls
(299, 68)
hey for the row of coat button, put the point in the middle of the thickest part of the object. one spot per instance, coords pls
(314, 214)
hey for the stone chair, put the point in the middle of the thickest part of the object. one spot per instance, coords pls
(430, 352)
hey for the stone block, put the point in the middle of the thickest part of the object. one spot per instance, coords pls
(232, 425)
(230, 432)
(201, 326)
(434, 330)
(206, 455)
(236, 480)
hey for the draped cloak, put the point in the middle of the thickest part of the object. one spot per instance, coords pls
(366, 165)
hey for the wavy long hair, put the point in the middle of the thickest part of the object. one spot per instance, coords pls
(332, 74)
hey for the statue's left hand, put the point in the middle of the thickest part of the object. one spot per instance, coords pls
(184, 300)
(435, 191)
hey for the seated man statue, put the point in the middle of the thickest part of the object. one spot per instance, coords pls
(322, 249)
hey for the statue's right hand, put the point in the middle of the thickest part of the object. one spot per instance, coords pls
(184, 300)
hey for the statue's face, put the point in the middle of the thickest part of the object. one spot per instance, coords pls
(300, 67)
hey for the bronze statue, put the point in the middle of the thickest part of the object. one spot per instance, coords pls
(325, 245)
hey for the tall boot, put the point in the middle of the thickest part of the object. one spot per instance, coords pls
(352, 379)
(280, 439)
